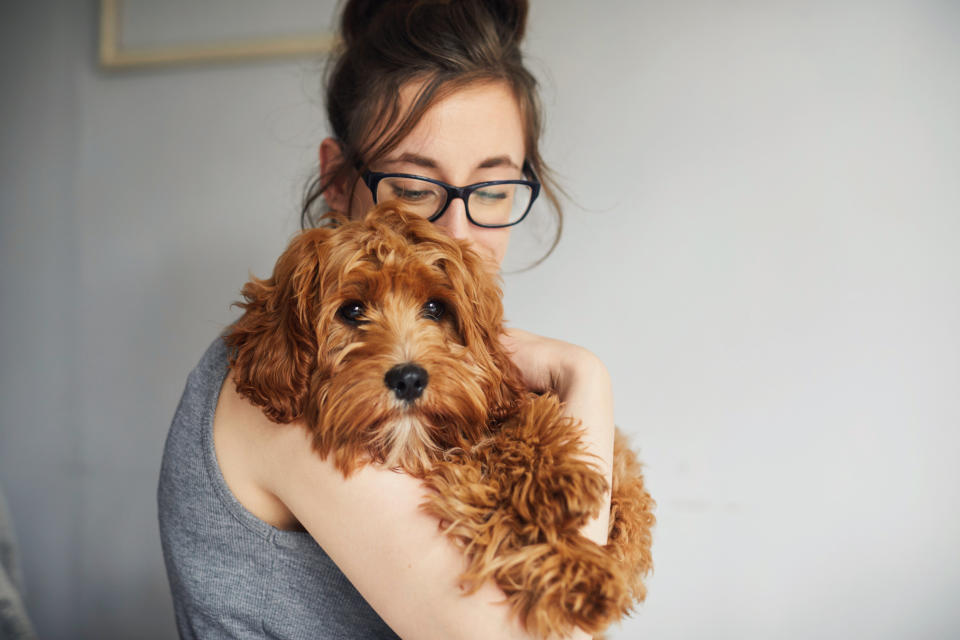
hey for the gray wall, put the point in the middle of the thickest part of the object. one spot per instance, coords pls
(763, 250)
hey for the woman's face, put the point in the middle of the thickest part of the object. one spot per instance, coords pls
(473, 135)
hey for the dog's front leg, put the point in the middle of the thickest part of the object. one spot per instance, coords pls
(514, 502)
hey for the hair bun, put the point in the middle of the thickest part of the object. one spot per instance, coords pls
(360, 16)
(511, 14)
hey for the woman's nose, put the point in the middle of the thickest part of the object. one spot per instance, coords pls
(454, 220)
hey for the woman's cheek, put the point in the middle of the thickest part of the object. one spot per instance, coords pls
(493, 244)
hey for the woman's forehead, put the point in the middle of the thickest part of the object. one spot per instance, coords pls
(473, 128)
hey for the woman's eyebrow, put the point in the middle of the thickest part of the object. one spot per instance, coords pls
(413, 158)
(497, 161)
(430, 163)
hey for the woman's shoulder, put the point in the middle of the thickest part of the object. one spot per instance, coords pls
(214, 449)
(250, 448)
(204, 381)
(223, 551)
(185, 448)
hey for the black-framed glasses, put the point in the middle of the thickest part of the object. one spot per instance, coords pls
(494, 204)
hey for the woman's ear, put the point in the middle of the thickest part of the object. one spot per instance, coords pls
(337, 194)
(274, 343)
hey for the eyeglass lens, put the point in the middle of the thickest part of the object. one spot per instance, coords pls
(499, 204)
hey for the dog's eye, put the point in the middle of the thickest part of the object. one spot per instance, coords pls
(352, 312)
(434, 309)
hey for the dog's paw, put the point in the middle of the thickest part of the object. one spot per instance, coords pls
(555, 588)
(548, 481)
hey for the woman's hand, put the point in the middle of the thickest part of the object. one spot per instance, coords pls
(547, 364)
(582, 383)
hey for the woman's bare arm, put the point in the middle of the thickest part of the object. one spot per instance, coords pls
(395, 556)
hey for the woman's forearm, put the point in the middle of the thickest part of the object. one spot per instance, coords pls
(587, 395)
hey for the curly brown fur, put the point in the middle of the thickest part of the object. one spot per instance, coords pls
(631, 517)
(505, 468)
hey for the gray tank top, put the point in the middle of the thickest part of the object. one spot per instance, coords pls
(231, 574)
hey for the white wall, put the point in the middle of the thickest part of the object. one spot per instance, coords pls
(765, 257)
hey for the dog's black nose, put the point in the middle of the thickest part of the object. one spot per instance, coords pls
(407, 381)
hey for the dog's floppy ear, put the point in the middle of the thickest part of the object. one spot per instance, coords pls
(480, 321)
(275, 341)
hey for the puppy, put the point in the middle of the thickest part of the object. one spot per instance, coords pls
(382, 336)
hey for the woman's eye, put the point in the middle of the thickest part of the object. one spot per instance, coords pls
(411, 193)
(434, 309)
(412, 196)
(491, 195)
(352, 313)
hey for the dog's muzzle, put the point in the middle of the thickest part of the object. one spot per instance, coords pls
(407, 381)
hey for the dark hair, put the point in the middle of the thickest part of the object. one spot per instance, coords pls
(442, 44)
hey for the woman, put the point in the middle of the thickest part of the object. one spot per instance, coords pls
(261, 536)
